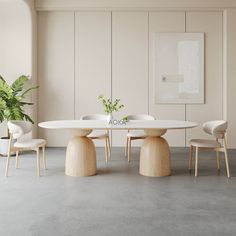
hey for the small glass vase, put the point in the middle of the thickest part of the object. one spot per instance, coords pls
(109, 119)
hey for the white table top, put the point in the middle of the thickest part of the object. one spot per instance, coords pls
(99, 124)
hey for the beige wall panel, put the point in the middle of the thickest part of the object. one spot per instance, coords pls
(211, 24)
(55, 72)
(92, 62)
(129, 65)
(165, 22)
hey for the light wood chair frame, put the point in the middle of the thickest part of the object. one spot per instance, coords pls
(106, 138)
(222, 148)
(11, 149)
(129, 139)
(107, 144)
(128, 145)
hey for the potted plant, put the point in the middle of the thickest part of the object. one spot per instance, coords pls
(12, 102)
(110, 106)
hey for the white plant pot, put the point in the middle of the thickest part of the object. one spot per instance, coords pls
(109, 119)
(4, 142)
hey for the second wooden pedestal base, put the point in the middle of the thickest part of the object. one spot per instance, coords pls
(80, 157)
(155, 157)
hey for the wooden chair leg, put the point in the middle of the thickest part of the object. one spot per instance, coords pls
(109, 146)
(38, 162)
(226, 158)
(7, 164)
(8, 156)
(126, 146)
(44, 158)
(190, 158)
(129, 148)
(106, 150)
(218, 161)
(17, 160)
(196, 162)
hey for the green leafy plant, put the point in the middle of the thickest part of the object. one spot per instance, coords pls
(12, 99)
(125, 118)
(110, 106)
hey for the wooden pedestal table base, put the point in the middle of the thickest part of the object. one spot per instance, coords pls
(80, 155)
(155, 155)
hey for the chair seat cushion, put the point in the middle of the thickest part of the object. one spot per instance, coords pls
(205, 143)
(137, 134)
(33, 143)
(98, 134)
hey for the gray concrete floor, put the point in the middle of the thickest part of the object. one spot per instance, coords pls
(117, 201)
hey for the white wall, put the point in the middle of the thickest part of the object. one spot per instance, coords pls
(56, 72)
(113, 58)
(129, 65)
(113, 54)
(16, 47)
(93, 51)
(92, 31)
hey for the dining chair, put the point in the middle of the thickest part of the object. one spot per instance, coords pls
(100, 134)
(21, 131)
(217, 129)
(135, 134)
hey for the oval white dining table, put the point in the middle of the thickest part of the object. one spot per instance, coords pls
(81, 154)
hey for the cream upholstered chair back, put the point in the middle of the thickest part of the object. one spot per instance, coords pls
(94, 117)
(140, 117)
(216, 128)
(21, 130)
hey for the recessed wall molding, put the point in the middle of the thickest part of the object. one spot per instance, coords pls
(51, 5)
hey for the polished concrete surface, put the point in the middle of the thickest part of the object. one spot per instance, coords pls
(118, 201)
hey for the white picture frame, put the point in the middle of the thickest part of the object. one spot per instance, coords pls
(179, 68)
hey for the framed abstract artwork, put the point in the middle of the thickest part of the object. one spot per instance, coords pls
(179, 68)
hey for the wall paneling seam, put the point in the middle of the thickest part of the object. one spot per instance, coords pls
(148, 61)
(111, 94)
(74, 70)
(111, 64)
(185, 105)
(223, 83)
